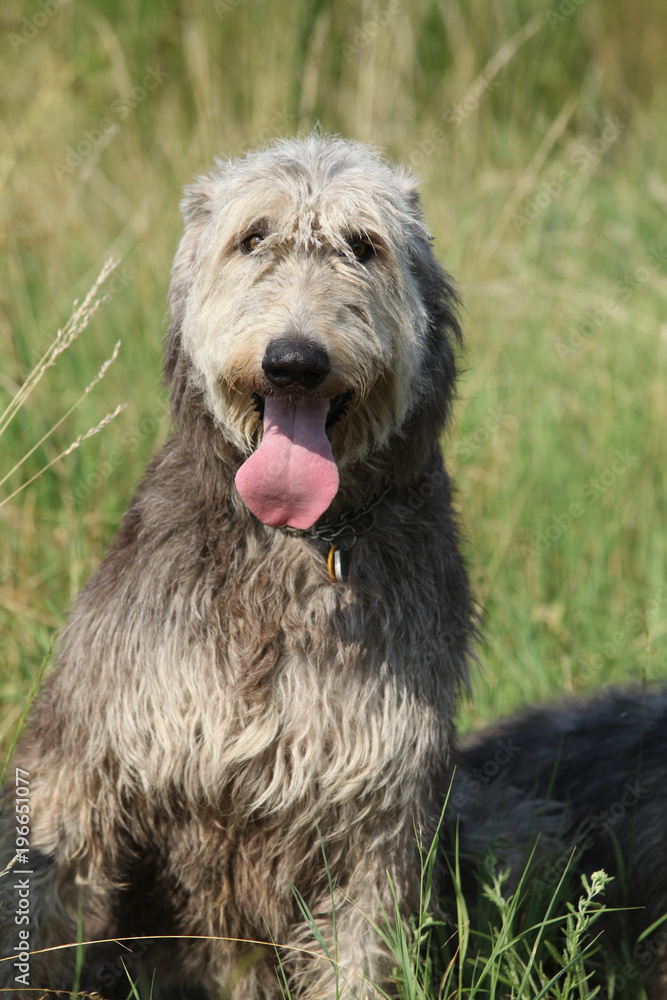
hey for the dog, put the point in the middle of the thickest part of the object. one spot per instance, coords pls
(567, 790)
(263, 672)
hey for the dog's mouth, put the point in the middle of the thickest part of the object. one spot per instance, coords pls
(338, 407)
(292, 477)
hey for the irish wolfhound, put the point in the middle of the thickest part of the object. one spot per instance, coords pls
(265, 666)
(589, 778)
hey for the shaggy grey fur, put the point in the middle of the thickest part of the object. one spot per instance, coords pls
(589, 778)
(218, 699)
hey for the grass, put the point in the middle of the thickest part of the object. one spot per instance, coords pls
(540, 138)
(529, 945)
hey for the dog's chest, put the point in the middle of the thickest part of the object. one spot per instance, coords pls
(287, 697)
(336, 737)
(259, 685)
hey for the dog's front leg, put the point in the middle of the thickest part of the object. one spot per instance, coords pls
(353, 963)
(47, 903)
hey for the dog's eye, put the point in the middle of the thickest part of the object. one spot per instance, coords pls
(251, 242)
(361, 249)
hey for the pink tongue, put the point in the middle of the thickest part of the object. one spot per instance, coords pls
(292, 478)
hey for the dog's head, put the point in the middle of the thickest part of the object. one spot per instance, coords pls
(309, 312)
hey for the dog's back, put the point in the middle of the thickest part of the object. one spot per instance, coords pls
(582, 785)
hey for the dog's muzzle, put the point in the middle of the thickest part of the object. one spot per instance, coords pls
(291, 478)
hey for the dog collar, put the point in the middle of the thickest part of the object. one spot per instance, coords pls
(341, 534)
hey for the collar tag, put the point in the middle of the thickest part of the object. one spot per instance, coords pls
(345, 530)
(337, 565)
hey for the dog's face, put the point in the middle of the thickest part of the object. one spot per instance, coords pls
(297, 295)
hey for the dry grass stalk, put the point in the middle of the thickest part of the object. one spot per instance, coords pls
(75, 325)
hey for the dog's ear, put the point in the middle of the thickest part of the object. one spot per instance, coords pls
(442, 304)
(437, 288)
(196, 209)
(409, 186)
(197, 200)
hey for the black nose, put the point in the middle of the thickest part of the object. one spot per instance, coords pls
(296, 362)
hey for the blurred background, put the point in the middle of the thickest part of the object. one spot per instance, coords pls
(539, 132)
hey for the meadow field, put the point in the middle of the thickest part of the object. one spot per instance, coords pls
(539, 131)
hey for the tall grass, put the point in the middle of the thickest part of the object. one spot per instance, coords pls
(540, 137)
(530, 945)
